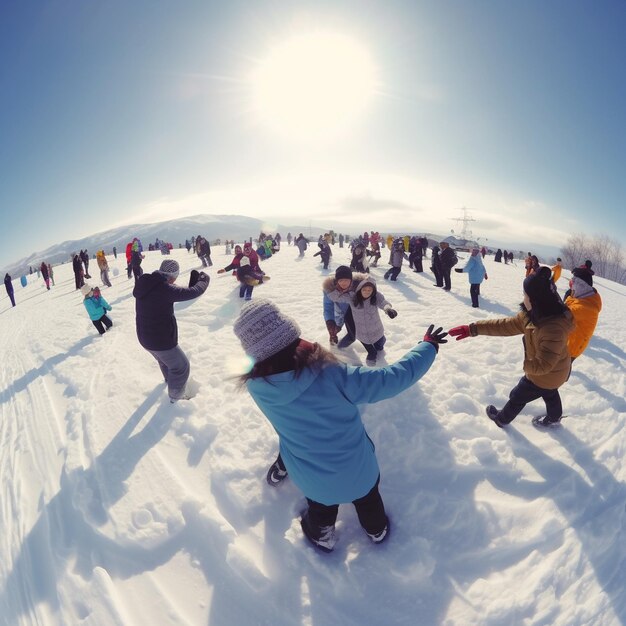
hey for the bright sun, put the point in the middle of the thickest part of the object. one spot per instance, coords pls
(313, 87)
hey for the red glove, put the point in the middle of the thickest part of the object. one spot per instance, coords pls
(460, 332)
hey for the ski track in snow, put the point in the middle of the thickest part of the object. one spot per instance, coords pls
(121, 508)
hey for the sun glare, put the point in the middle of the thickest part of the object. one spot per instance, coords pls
(314, 87)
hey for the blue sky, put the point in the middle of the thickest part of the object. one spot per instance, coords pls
(122, 112)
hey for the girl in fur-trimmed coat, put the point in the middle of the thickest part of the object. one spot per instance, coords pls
(365, 303)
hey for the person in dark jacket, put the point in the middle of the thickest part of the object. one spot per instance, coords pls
(77, 266)
(324, 252)
(8, 284)
(415, 256)
(436, 266)
(448, 261)
(84, 257)
(157, 330)
(498, 256)
(45, 275)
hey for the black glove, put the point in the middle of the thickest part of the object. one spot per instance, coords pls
(391, 313)
(456, 269)
(435, 337)
(193, 277)
(205, 277)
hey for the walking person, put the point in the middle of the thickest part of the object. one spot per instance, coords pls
(77, 266)
(157, 330)
(8, 285)
(97, 308)
(435, 266)
(44, 273)
(312, 401)
(476, 274)
(103, 266)
(545, 323)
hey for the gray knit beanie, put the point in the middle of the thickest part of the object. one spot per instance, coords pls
(263, 330)
(170, 268)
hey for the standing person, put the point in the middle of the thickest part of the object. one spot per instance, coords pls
(556, 270)
(483, 252)
(435, 267)
(157, 330)
(396, 256)
(302, 242)
(46, 276)
(114, 252)
(448, 261)
(136, 258)
(205, 252)
(545, 322)
(336, 313)
(97, 308)
(475, 273)
(8, 285)
(585, 304)
(365, 303)
(77, 266)
(340, 240)
(289, 238)
(505, 256)
(312, 401)
(129, 259)
(424, 242)
(415, 257)
(497, 257)
(103, 266)
(84, 257)
(51, 273)
(374, 251)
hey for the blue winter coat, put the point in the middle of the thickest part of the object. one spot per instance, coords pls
(154, 309)
(323, 442)
(475, 269)
(96, 307)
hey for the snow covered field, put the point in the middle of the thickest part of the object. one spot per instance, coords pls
(118, 507)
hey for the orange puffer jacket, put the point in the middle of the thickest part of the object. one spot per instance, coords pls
(585, 312)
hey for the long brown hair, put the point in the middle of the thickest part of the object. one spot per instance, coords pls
(296, 357)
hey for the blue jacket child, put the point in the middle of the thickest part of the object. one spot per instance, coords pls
(312, 401)
(97, 308)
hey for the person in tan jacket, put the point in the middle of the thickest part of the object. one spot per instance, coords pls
(545, 323)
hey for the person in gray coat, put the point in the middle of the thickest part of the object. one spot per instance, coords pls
(396, 257)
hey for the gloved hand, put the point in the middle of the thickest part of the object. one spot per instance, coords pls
(391, 313)
(486, 277)
(203, 276)
(435, 337)
(333, 329)
(460, 332)
(193, 277)
(221, 271)
(458, 269)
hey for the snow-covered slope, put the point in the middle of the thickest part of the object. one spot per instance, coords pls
(118, 507)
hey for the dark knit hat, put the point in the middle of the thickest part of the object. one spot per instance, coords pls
(584, 272)
(170, 268)
(343, 271)
(543, 296)
(263, 330)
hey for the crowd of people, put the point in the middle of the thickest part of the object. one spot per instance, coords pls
(307, 393)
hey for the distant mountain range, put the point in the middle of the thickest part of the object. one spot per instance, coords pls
(176, 231)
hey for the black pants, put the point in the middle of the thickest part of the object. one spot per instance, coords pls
(526, 391)
(11, 297)
(245, 290)
(438, 276)
(350, 335)
(137, 271)
(475, 292)
(374, 348)
(370, 510)
(415, 261)
(393, 273)
(445, 274)
(101, 323)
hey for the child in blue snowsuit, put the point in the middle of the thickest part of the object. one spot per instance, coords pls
(97, 308)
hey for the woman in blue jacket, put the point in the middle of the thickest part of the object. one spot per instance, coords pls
(476, 273)
(311, 401)
(97, 308)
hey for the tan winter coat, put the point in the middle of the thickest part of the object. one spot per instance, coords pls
(547, 362)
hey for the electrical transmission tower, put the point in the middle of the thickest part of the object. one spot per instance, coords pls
(465, 220)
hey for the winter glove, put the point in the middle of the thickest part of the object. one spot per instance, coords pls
(435, 337)
(204, 277)
(221, 271)
(486, 277)
(458, 269)
(193, 277)
(391, 313)
(460, 332)
(333, 329)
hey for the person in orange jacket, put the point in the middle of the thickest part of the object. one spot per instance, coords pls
(556, 270)
(585, 304)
